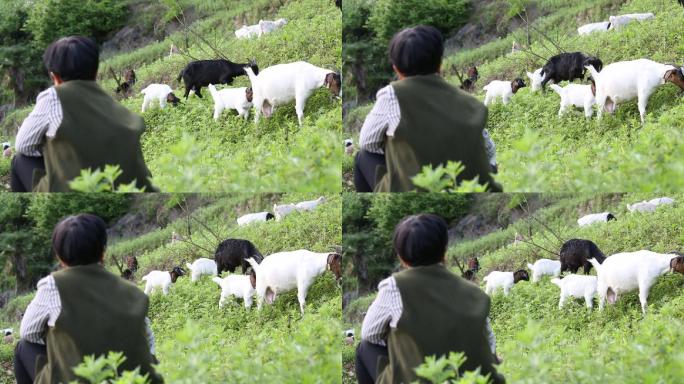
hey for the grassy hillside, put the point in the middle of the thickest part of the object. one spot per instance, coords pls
(537, 151)
(186, 150)
(197, 342)
(539, 343)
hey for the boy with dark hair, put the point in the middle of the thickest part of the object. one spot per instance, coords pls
(75, 125)
(423, 311)
(82, 310)
(421, 120)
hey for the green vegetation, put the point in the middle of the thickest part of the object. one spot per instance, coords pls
(187, 151)
(540, 343)
(197, 342)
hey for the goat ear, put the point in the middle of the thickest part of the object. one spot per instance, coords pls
(670, 73)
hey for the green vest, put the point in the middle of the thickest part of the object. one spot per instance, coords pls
(441, 313)
(101, 312)
(95, 131)
(438, 123)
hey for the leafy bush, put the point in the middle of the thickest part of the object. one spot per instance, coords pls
(52, 19)
(102, 181)
(444, 370)
(390, 16)
(444, 179)
(104, 370)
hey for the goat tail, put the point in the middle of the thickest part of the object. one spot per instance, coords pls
(594, 73)
(596, 265)
(556, 281)
(530, 266)
(254, 264)
(144, 278)
(189, 266)
(217, 280)
(557, 88)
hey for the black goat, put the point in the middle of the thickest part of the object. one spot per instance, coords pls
(129, 81)
(232, 253)
(198, 74)
(568, 66)
(338, 3)
(575, 253)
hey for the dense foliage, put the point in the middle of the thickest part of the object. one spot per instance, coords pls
(540, 343)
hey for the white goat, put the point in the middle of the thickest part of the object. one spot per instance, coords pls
(284, 271)
(535, 79)
(644, 207)
(202, 266)
(626, 80)
(235, 285)
(544, 267)
(268, 26)
(661, 201)
(283, 83)
(627, 271)
(503, 89)
(592, 218)
(505, 280)
(283, 210)
(587, 29)
(239, 99)
(577, 95)
(161, 279)
(310, 205)
(576, 286)
(248, 31)
(159, 92)
(254, 218)
(617, 22)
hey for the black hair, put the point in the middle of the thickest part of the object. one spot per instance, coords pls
(421, 239)
(417, 51)
(73, 58)
(80, 239)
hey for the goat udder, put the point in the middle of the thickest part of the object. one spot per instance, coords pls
(267, 109)
(612, 296)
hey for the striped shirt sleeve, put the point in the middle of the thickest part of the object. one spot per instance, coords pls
(383, 313)
(382, 121)
(42, 312)
(489, 147)
(41, 123)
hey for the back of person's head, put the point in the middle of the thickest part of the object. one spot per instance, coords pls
(73, 58)
(80, 239)
(417, 51)
(421, 239)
